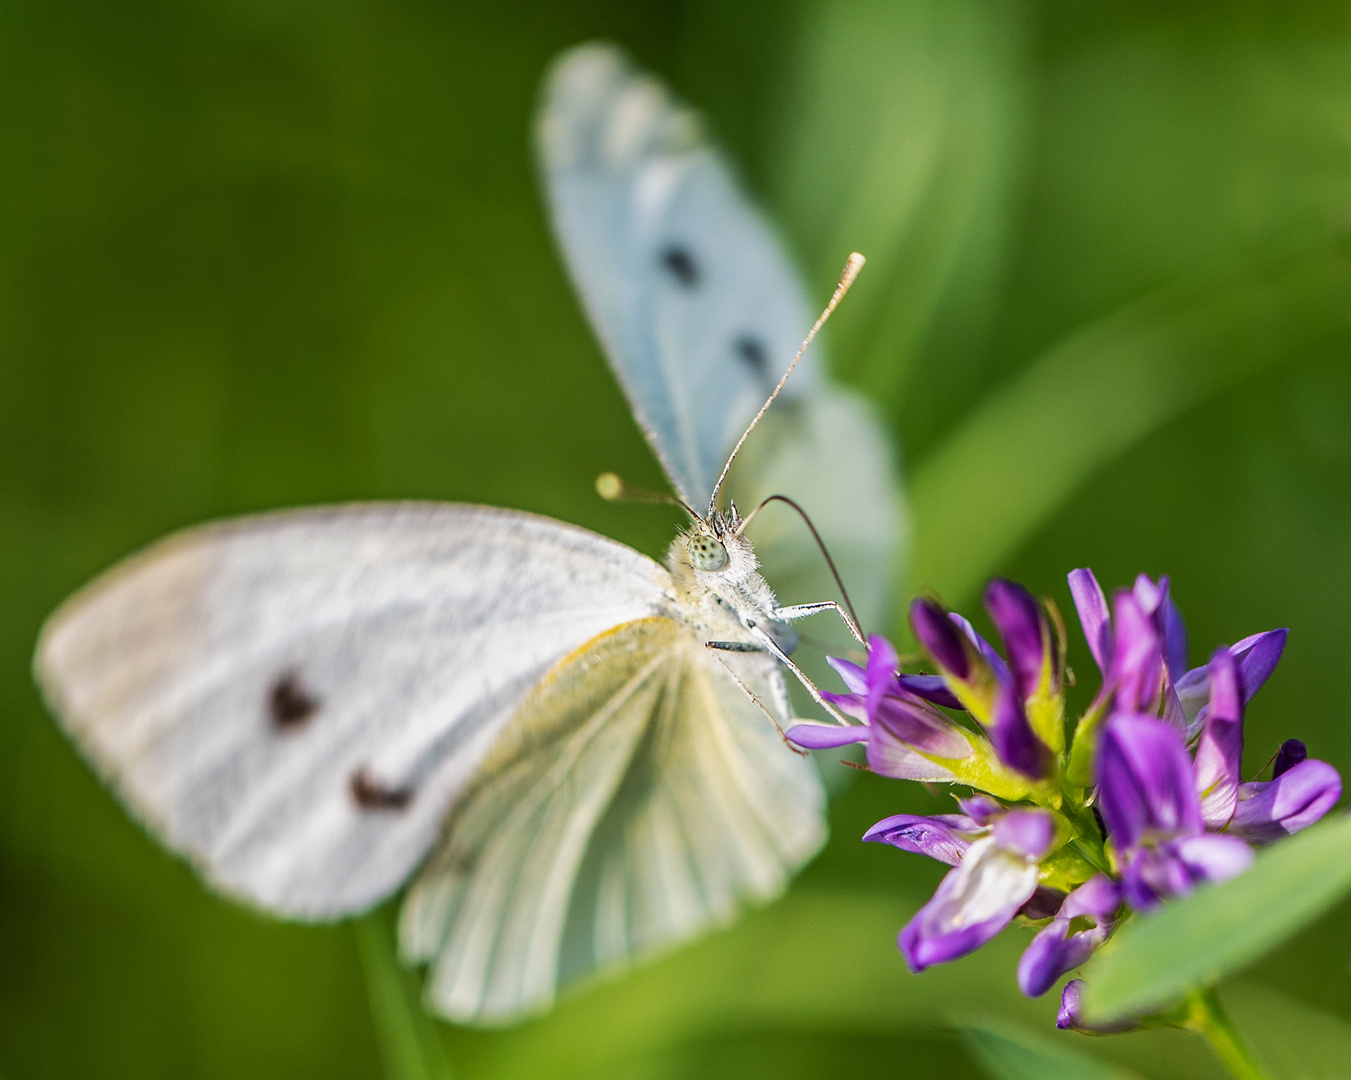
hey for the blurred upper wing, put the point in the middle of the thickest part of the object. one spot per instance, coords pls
(692, 296)
(700, 309)
(294, 700)
(636, 798)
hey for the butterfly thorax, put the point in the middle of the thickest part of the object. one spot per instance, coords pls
(717, 586)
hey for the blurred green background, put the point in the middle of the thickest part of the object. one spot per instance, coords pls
(256, 254)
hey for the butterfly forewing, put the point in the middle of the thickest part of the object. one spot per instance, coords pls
(636, 798)
(689, 290)
(700, 310)
(293, 701)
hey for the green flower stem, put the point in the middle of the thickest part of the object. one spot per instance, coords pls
(407, 1036)
(1209, 1020)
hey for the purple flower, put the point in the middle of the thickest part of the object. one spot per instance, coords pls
(1148, 800)
(995, 876)
(1059, 947)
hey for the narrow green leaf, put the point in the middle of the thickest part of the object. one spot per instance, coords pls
(1008, 1052)
(409, 1046)
(1025, 448)
(1197, 941)
(901, 139)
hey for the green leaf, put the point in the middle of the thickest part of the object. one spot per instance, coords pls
(1197, 941)
(900, 139)
(1008, 1052)
(1026, 447)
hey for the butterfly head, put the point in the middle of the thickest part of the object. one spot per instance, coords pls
(714, 548)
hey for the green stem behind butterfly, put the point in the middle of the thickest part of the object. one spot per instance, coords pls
(409, 1045)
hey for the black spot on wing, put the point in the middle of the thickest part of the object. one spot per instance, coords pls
(679, 262)
(751, 351)
(372, 795)
(289, 703)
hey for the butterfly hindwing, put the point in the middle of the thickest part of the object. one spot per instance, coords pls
(636, 798)
(294, 700)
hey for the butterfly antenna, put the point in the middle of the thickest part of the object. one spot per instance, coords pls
(851, 269)
(839, 581)
(611, 487)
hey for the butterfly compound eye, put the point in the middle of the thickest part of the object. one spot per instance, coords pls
(706, 553)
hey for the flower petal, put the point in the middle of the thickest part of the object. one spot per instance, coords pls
(813, 736)
(1174, 639)
(855, 705)
(987, 651)
(1219, 754)
(1013, 738)
(1052, 952)
(1071, 1017)
(1097, 898)
(1214, 856)
(1055, 950)
(1257, 658)
(1017, 616)
(855, 678)
(945, 837)
(972, 905)
(931, 688)
(982, 809)
(940, 637)
(1137, 661)
(921, 727)
(1030, 833)
(1150, 595)
(1145, 780)
(1093, 616)
(1299, 796)
(881, 671)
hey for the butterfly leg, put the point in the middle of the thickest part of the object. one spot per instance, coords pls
(743, 647)
(772, 647)
(801, 611)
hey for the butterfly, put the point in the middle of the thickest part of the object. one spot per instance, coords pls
(313, 706)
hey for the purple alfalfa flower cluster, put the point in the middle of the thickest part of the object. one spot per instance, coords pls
(1144, 802)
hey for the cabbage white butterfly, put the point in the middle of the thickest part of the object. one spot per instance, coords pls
(313, 704)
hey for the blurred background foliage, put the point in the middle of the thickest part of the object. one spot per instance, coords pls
(256, 254)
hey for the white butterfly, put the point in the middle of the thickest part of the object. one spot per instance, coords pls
(310, 705)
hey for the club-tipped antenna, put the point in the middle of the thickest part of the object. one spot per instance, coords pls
(852, 267)
(612, 488)
(857, 628)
